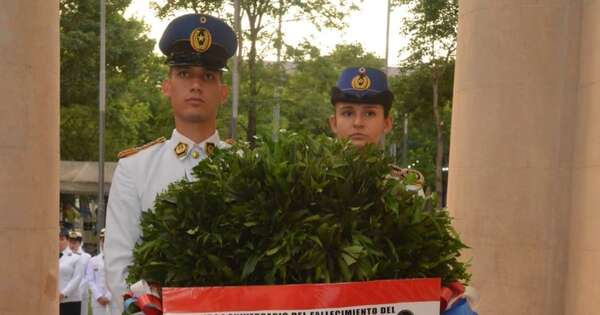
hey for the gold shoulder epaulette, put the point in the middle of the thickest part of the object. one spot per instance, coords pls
(230, 141)
(132, 151)
(397, 171)
(401, 173)
(395, 167)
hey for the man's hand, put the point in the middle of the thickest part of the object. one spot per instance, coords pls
(103, 300)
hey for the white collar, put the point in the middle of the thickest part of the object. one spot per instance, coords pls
(177, 137)
(189, 146)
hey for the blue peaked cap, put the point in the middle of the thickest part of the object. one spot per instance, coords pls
(362, 85)
(198, 39)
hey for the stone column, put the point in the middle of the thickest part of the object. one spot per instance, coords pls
(583, 282)
(29, 156)
(511, 149)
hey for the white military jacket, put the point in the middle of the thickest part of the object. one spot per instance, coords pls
(85, 258)
(70, 275)
(137, 180)
(96, 279)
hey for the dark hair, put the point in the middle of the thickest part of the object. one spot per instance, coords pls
(63, 233)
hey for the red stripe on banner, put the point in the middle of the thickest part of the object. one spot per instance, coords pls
(299, 296)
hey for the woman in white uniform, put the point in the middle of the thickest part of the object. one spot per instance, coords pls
(71, 272)
(75, 245)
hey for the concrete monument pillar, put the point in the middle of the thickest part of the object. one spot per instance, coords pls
(29, 156)
(514, 182)
(583, 276)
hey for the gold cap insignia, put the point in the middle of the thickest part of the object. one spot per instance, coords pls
(209, 147)
(200, 39)
(361, 81)
(181, 149)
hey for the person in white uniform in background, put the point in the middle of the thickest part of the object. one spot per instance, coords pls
(75, 242)
(70, 275)
(197, 47)
(95, 277)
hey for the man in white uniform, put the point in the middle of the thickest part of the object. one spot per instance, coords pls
(75, 245)
(95, 277)
(197, 47)
(70, 274)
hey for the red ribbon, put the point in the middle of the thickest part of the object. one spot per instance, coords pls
(149, 304)
(450, 292)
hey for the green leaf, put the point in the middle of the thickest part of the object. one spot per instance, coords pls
(249, 266)
(349, 260)
(192, 231)
(272, 251)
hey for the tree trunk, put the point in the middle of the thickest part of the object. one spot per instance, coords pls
(277, 94)
(440, 143)
(253, 89)
(236, 70)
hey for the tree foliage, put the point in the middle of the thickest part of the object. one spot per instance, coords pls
(432, 29)
(304, 209)
(413, 98)
(137, 113)
(133, 73)
(257, 15)
(308, 76)
(306, 96)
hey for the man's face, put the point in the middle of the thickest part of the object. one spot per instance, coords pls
(74, 244)
(62, 243)
(360, 123)
(195, 93)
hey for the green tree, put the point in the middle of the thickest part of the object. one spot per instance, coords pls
(306, 95)
(432, 31)
(413, 98)
(308, 77)
(133, 73)
(258, 14)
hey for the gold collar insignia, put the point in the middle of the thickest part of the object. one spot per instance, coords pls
(181, 149)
